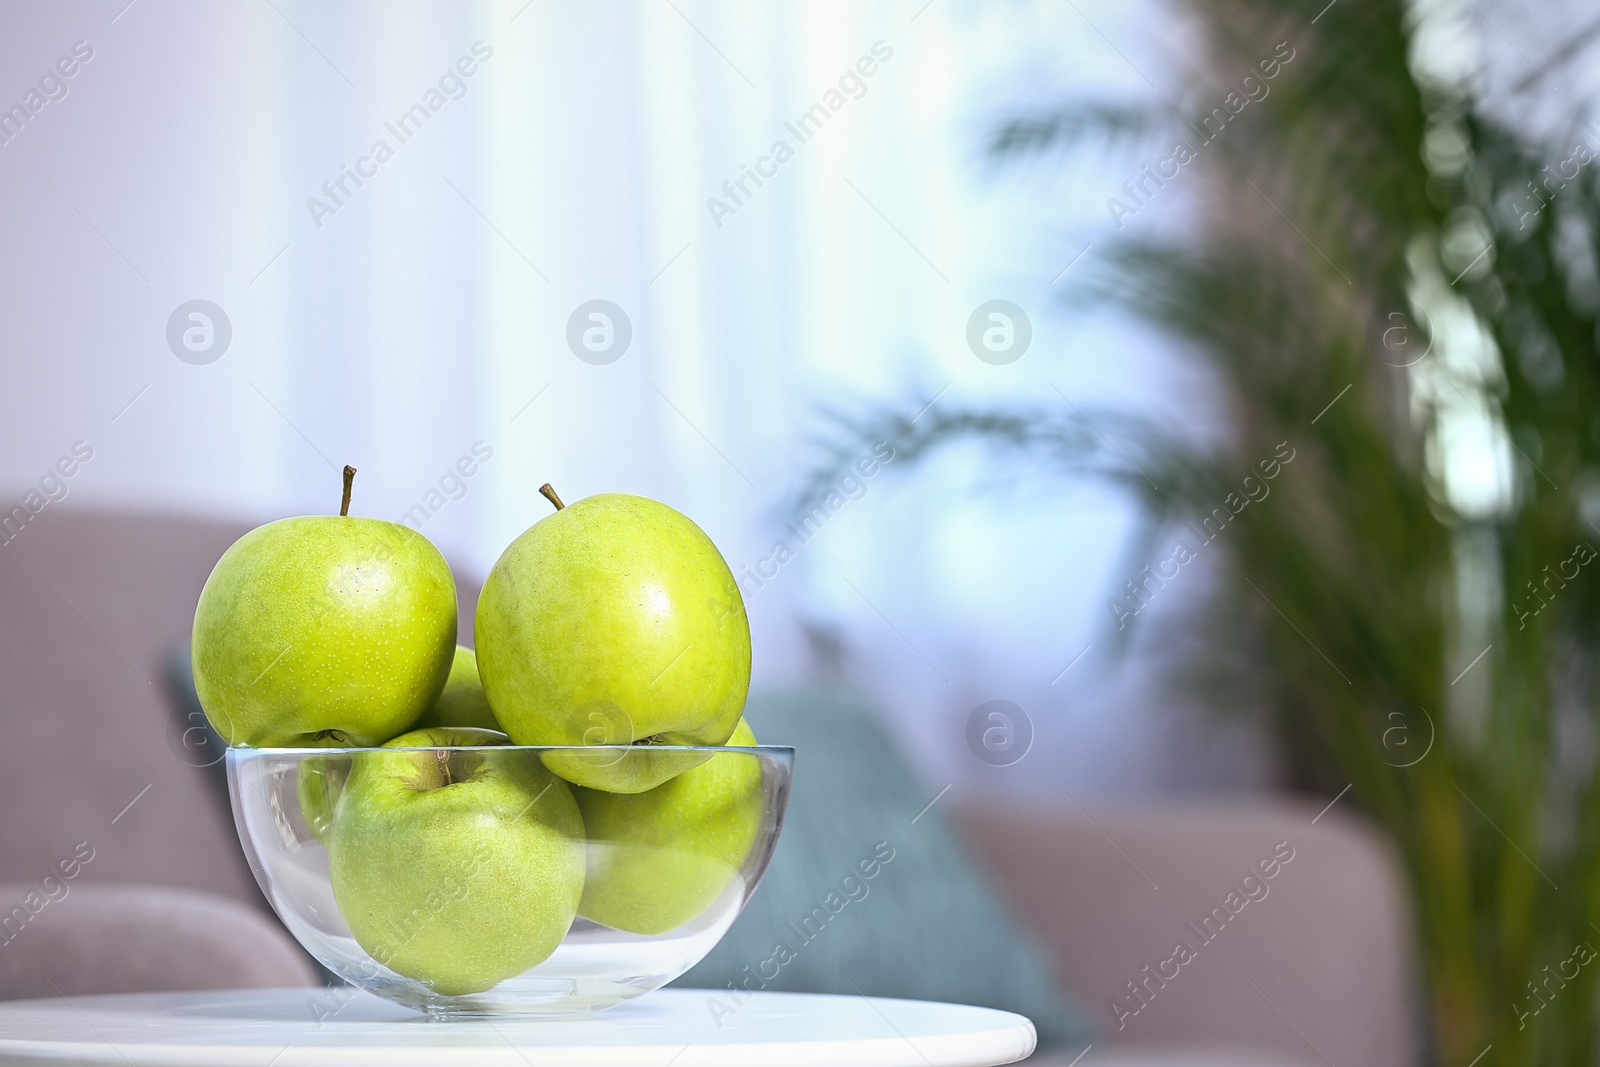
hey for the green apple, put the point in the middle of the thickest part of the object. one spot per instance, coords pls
(660, 858)
(614, 621)
(461, 702)
(323, 630)
(459, 867)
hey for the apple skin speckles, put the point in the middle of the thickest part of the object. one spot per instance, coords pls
(322, 623)
(613, 620)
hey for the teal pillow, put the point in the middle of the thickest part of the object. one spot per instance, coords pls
(860, 898)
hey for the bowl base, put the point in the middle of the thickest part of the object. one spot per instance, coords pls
(527, 997)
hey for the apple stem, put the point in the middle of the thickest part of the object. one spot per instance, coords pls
(349, 480)
(444, 765)
(550, 495)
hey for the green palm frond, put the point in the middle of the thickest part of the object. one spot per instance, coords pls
(1349, 199)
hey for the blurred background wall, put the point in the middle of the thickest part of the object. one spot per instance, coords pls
(422, 315)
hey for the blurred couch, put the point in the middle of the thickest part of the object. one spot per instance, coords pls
(102, 779)
(1310, 966)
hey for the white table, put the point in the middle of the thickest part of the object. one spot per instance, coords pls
(668, 1028)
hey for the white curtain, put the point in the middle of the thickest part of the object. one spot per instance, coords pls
(415, 323)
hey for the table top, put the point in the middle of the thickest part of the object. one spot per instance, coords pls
(668, 1028)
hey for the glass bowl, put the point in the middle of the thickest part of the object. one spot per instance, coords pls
(412, 874)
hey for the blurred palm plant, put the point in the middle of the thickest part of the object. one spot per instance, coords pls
(1402, 286)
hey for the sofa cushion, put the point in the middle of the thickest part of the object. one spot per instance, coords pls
(1292, 921)
(89, 603)
(868, 892)
(61, 936)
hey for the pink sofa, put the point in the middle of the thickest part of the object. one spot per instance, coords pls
(1311, 965)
